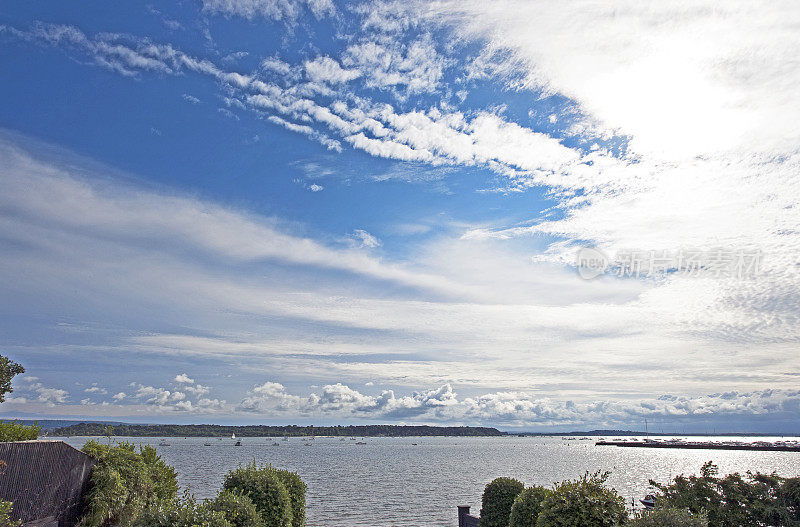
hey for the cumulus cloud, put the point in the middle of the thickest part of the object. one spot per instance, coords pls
(516, 408)
(325, 69)
(184, 379)
(166, 401)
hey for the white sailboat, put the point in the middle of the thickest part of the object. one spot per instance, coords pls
(233, 436)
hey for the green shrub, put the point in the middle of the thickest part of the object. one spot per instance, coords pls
(752, 500)
(237, 508)
(668, 517)
(297, 495)
(16, 431)
(266, 490)
(181, 513)
(6, 508)
(125, 482)
(498, 498)
(582, 503)
(527, 506)
(8, 370)
(790, 497)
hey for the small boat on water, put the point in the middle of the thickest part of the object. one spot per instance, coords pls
(233, 436)
(360, 443)
(276, 444)
(206, 444)
(238, 443)
(648, 501)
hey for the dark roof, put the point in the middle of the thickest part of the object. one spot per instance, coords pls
(44, 479)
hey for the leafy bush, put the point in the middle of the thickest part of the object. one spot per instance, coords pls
(181, 513)
(8, 370)
(16, 431)
(752, 500)
(790, 497)
(6, 507)
(498, 498)
(581, 503)
(668, 517)
(237, 508)
(266, 490)
(527, 506)
(297, 495)
(124, 483)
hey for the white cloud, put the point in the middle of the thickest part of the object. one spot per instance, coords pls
(680, 78)
(119, 396)
(184, 379)
(364, 239)
(315, 188)
(190, 98)
(325, 69)
(197, 389)
(416, 65)
(287, 10)
(516, 408)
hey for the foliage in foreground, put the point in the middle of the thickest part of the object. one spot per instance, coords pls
(8, 370)
(752, 500)
(6, 507)
(665, 516)
(237, 508)
(16, 431)
(125, 483)
(135, 488)
(265, 488)
(498, 498)
(182, 513)
(527, 507)
(585, 501)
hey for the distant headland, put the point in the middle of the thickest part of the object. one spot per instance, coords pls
(157, 430)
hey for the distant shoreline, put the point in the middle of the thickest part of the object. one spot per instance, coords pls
(145, 430)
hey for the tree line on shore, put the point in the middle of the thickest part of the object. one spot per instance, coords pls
(145, 430)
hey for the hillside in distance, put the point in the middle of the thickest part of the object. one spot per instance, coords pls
(146, 430)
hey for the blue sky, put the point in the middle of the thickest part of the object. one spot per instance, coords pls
(311, 211)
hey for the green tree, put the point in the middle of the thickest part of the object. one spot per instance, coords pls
(752, 500)
(125, 483)
(266, 490)
(527, 506)
(16, 431)
(185, 512)
(297, 495)
(6, 508)
(668, 517)
(582, 503)
(498, 498)
(8, 370)
(238, 509)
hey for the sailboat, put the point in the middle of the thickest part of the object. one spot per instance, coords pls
(233, 436)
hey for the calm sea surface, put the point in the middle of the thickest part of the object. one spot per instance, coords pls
(391, 481)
